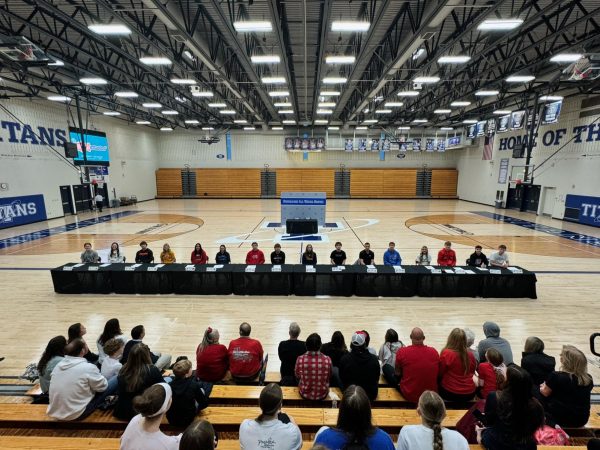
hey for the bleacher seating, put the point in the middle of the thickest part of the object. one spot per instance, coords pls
(444, 183)
(236, 183)
(168, 183)
(383, 183)
(310, 180)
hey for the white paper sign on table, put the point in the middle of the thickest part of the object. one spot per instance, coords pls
(371, 269)
(495, 271)
(470, 272)
(515, 270)
(276, 268)
(92, 268)
(132, 268)
(218, 266)
(211, 269)
(430, 267)
(483, 269)
(337, 268)
(251, 268)
(448, 271)
(436, 271)
(154, 268)
(399, 269)
(310, 269)
(105, 265)
(68, 268)
(190, 268)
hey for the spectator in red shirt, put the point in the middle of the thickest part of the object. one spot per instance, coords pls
(446, 256)
(212, 359)
(492, 373)
(255, 256)
(199, 255)
(245, 355)
(313, 370)
(457, 367)
(417, 367)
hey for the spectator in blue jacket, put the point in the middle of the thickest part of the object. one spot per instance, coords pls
(391, 257)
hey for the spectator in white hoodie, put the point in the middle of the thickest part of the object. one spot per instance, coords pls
(387, 356)
(76, 387)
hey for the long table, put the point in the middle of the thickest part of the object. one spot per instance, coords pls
(293, 279)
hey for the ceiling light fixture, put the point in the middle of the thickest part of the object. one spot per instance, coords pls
(329, 93)
(420, 121)
(217, 105)
(564, 57)
(155, 61)
(111, 113)
(265, 59)
(383, 111)
(340, 59)
(166, 129)
(279, 94)
(361, 128)
(454, 59)
(249, 26)
(240, 121)
(326, 105)
(550, 98)
(273, 80)
(93, 80)
(324, 111)
(207, 128)
(203, 94)
(520, 78)
(282, 105)
(499, 24)
(334, 80)
(393, 104)
(227, 111)
(502, 111)
(288, 122)
(442, 111)
(183, 81)
(488, 93)
(169, 112)
(460, 103)
(286, 111)
(249, 128)
(447, 129)
(127, 94)
(370, 121)
(408, 94)
(151, 105)
(426, 79)
(321, 121)
(143, 122)
(192, 122)
(59, 98)
(333, 128)
(111, 28)
(470, 121)
(404, 128)
(354, 26)
(276, 128)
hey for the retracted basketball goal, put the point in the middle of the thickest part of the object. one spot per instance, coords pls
(520, 175)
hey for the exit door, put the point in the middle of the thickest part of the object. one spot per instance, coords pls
(67, 200)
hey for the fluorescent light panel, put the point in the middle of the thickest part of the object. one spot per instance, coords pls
(442, 111)
(420, 121)
(207, 128)
(151, 105)
(93, 80)
(326, 104)
(111, 113)
(329, 93)
(340, 59)
(520, 78)
(127, 94)
(334, 80)
(265, 59)
(454, 59)
(183, 81)
(217, 105)
(470, 121)
(248, 26)
(111, 28)
(446, 128)
(393, 104)
(143, 122)
(408, 94)
(321, 121)
(426, 79)
(59, 98)
(324, 111)
(404, 128)
(488, 93)
(460, 103)
(273, 80)
(502, 111)
(282, 105)
(166, 129)
(355, 26)
(499, 24)
(362, 128)
(286, 111)
(279, 94)
(192, 122)
(383, 111)
(155, 61)
(227, 111)
(550, 98)
(564, 57)
(203, 94)
(288, 122)
(169, 112)
(249, 128)
(370, 121)
(276, 128)
(333, 128)
(240, 121)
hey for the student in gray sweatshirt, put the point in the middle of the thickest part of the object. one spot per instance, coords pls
(493, 339)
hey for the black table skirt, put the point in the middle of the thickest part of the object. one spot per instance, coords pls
(291, 280)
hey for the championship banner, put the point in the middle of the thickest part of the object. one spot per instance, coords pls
(503, 124)
(349, 145)
(551, 112)
(517, 120)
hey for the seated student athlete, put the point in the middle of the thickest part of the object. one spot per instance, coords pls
(277, 256)
(338, 256)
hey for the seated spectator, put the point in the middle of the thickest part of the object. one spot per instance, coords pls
(77, 330)
(245, 355)
(144, 255)
(136, 375)
(360, 367)
(313, 370)
(76, 386)
(272, 426)
(536, 362)
(53, 354)
(112, 329)
(366, 256)
(199, 255)
(492, 373)
(200, 435)
(430, 435)
(167, 256)
(493, 339)
(424, 258)
(446, 256)
(417, 368)
(277, 256)
(309, 257)
(368, 342)
(512, 415)
(566, 393)
(387, 354)
(143, 431)
(223, 256)
(391, 257)
(470, 342)
(288, 352)
(189, 395)
(89, 255)
(593, 444)
(338, 256)
(499, 258)
(114, 255)
(161, 361)
(212, 360)
(478, 259)
(457, 367)
(335, 350)
(354, 428)
(255, 256)
(112, 364)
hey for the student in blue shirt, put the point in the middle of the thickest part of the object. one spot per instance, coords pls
(391, 257)
(354, 425)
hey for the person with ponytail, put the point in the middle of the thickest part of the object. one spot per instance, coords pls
(200, 435)
(54, 353)
(430, 435)
(212, 360)
(354, 429)
(457, 367)
(143, 431)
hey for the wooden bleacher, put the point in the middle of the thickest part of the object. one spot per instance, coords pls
(444, 183)
(311, 180)
(168, 183)
(224, 183)
(383, 183)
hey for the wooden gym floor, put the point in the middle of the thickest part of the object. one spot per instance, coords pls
(566, 310)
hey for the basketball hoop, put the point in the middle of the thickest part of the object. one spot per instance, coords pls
(518, 181)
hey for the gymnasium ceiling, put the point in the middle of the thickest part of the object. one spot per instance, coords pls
(404, 40)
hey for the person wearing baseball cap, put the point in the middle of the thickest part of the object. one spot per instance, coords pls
(360, 367)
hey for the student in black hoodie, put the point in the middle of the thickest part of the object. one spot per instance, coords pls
(360, 367)
(536, 362)
(478, 259)
(223, 256)
(277, 256)
(189, 395)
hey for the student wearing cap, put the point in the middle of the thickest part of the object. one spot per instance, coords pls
(144, 255)
(277, 256)
(255, 256)
(272, 426)
(360, 367)
(143, 430)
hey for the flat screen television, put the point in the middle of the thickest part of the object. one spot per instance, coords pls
(96, 147)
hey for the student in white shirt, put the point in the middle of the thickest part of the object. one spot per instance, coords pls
(499, 258)
(430, 435)
(99, 200)
(272, 429)
(111, 364)
(143, 431)
(114, 255)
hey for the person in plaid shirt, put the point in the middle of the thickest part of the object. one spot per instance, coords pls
(313, 370)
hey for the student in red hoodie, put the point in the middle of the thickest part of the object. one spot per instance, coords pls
(457, 367)
(199, 255)
(446, 256)
(255, 256)
(212, 359)
(245, 355)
